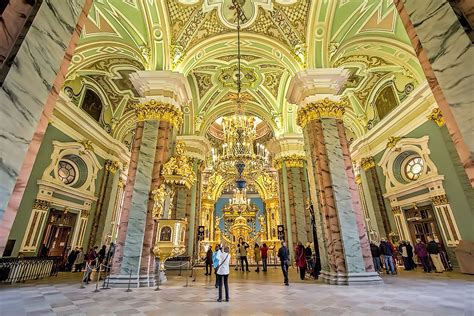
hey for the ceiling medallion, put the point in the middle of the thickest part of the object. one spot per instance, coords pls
(229, 76)
(227, 12)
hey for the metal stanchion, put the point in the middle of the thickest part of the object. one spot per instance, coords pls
(187, 278)
(105, 285)
(98, 279)
(159, 275)
(129, 280)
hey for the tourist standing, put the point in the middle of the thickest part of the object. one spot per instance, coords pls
(223, 273)
(301, 259)
(264, 255)
(284, 255)
(411, 263)
(375, 251)
(110, 256)
(422, 253)
(215, 262)
(433, 250)
(101, 255)
(79, 261)
(386, 249)
(237, 257)
(402, 248)
(243, 255)
(71, 258)
(209, 261)
(256, 256)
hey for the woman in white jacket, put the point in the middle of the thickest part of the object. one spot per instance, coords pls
(223, 273)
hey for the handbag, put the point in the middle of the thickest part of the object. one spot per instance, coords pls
(217, 268)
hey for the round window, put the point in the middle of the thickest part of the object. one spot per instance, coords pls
(414, 168)
(66, 172)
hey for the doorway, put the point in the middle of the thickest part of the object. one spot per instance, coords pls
(422, 224)
(58, 233)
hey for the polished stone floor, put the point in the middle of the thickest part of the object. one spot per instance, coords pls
(408, 293)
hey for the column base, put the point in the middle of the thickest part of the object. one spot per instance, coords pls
(336, 278)
(122, 281)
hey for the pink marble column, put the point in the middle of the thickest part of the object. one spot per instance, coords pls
(459, 142)
(128, 192)
(363, 238)
(33, 148)
(332, 233)
(165, 133)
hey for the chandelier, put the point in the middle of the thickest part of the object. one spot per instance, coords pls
(240, 153)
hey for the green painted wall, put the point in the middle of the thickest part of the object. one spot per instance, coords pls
(43, 159)
(456, 184)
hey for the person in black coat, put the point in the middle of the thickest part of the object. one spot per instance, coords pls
(284, 255)
(374, 249)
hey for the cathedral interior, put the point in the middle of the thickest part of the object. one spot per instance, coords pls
(168, 127)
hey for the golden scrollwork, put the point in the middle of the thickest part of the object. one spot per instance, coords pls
(85, 213)
(121, 183)
(159, 111)
(358, 179)
(179, 169)
(367, 163)
(159, 196)
(436, 116)
(392, 141)
(325, 108)
(112, 166)
(291, 161)
(439, 200)
(41, 205)
(87, 144)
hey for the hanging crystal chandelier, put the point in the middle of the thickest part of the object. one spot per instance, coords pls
(240, 154)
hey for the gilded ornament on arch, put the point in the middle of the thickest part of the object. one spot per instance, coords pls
(87, 144)
(41, 205)
(291, 161)
(84, 213)
(325, 108)
(440, 200)
(158, 111)
(437, 117)
(179, 170)
(392, 141)
(367, 163)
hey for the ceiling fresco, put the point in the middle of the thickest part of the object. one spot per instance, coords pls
(279, 38)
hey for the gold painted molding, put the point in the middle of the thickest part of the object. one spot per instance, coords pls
(291, 161)
(112, 166)
(159, 111)
(367, 163)
(392, 141)
(439, 200)
(325, 108)
(437, 117)
(41, 205)
(358, 179)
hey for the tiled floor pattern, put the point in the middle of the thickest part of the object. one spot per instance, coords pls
(251, 294)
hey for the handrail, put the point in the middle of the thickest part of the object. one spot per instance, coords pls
(14, 270)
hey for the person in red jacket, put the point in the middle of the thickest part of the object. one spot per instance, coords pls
(301, 259)
(264, 254)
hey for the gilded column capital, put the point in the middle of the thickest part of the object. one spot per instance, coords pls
(436, 116)
(271, 203)
(358, 179)
(440, 200)
(84, 214)
(397, 210)
(291, 161)
(325, 108)
(158, 111)
(112, 166)
(367, 163)
(41, 205)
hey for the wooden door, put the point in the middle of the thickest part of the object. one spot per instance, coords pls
(422, 224)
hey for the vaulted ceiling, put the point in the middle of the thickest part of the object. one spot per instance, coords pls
(280, 37)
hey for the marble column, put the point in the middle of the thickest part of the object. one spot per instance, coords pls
(105, 203)
(28, 105)
(374, 196)
(296, 198)
(159, 118)
(320, 115)
(445, 52)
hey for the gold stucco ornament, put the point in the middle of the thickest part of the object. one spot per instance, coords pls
(179, 170)
(325, 108)
(291, 161)
(436, 116)
(159, 111)
(367, 163)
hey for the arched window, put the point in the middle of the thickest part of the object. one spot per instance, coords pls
(92, 104)
(386, 101)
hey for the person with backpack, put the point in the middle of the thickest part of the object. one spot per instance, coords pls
(375, 251)
(223, 273)
(284, 255)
